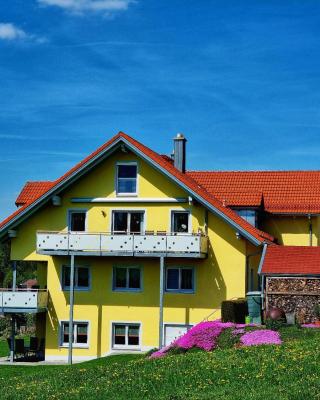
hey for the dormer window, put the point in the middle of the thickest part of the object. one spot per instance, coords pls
(127, 178)
(248, 215)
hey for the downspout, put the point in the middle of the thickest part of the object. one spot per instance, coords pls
(265, 247)
(310, 229)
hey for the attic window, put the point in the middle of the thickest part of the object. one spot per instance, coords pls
(126, 178)
(249, 216)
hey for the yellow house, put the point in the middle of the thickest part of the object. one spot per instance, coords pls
(132, 249)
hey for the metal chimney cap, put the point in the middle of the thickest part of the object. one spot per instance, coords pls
(180, 136)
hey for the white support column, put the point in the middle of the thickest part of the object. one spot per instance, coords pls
(71, 294)
(161, 303)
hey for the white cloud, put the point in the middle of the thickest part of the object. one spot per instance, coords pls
(11, 32)
(80, 6)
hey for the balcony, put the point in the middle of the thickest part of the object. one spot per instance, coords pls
(105, 244)
(23, 301)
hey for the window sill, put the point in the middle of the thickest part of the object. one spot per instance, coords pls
(127, 194)
(173, 291)
(74, 346)
(67, 289)
(137, 348)
(127, 290)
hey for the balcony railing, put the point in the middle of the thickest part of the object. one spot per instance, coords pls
(106, 244)
(23, 300)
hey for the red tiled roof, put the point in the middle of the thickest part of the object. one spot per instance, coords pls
(31, 191)
(284, 192)
(185, 179)
(291, 260)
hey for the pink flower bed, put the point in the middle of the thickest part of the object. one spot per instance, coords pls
(310, 326)
(262, 336)
(203, 336)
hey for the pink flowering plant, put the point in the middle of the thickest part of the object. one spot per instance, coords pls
(259, 337)
(205, 336)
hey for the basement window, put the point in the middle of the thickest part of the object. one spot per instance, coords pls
(126, 179)
(125, 336)
(80, 334)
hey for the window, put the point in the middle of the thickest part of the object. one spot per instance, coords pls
(248, 215)
(125, 335)
(77, 221)
(124, 222)
(126, 278)
(180, 221)
(80, 334)
(81, 278)
(180, 279)
(127, 178)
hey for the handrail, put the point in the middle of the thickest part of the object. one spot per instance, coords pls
(122, 234)
(216, 310)
(22, 290)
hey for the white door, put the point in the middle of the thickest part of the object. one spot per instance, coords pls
(172, 332)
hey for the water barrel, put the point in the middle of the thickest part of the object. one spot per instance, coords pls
(254, 306)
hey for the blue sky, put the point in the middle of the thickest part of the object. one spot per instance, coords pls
(239, 79)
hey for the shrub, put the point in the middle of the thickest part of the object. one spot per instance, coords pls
(274, 324)
(234, 311)
(228, 338)
(151, 351)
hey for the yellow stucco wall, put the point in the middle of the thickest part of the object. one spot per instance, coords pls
(220, 276)
(292, 230)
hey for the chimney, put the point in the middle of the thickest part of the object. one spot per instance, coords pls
(180, 152)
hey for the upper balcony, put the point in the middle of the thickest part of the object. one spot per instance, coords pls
(106, 244)
(23, 301)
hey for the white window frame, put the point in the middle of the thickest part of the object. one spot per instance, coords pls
(186, 291)
(127, 163)
(76, 287)
(179, 211)
(126, 289)
(75, 211)
(74, 344)
(125, 346)
(129, 212)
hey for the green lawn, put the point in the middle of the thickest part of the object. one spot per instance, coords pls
(290, 371)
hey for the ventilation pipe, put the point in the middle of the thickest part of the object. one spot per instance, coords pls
(180, 152)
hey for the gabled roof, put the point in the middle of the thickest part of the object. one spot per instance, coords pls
(159, 162)
(31, 191)
(291, 260)
(284, 192)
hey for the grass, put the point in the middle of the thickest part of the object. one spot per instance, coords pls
(290, 371)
